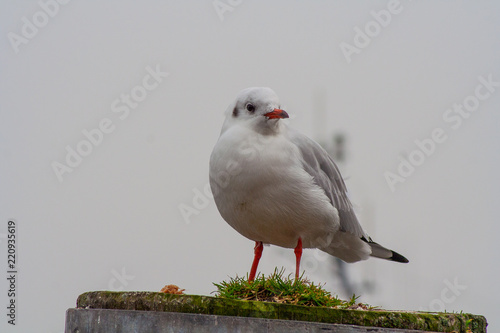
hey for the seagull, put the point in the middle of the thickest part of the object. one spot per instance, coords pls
(276, 186)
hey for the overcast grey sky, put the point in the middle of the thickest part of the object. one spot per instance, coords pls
(138, 90)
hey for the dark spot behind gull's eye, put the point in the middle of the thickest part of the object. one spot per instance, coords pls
(235, 112)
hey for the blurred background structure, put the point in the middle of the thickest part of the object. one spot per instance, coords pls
(109, 112)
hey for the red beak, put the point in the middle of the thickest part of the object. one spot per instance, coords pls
(277, 114)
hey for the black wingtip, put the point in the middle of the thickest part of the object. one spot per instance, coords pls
(398, 258)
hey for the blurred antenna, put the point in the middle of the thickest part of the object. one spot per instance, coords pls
(338, 153)
(336, 148)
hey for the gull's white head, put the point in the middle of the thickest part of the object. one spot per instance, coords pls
(257, 107)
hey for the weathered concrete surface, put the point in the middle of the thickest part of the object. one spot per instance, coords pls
(128, 321)
(152, 301)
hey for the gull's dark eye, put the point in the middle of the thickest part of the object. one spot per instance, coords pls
(250, 107)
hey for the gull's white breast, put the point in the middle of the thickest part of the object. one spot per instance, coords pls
(262, 190)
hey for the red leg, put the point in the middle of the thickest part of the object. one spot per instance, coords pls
(258, 253)
(298, 255)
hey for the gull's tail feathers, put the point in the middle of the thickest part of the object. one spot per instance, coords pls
(378, 251)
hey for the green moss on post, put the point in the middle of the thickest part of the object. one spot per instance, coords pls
(153, 301)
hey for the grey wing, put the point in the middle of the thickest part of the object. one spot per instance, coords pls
(326, 175)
